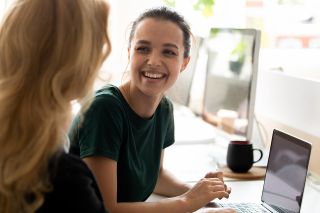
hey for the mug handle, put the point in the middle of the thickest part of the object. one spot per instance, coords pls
(261, 154)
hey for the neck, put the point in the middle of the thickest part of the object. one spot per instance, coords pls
(142, 104)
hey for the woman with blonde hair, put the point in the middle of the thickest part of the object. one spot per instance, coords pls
(51, 51)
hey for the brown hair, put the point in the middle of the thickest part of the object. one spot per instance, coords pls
(166, 14)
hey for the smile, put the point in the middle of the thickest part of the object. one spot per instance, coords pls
(153, 75)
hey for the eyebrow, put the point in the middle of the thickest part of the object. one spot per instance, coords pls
(166, 44)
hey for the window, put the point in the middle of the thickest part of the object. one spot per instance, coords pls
(290, 30)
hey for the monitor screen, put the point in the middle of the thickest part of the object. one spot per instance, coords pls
(180, 91)
(231, 75)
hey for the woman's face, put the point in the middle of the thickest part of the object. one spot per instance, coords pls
(156, 56)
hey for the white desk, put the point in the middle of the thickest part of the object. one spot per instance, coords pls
(250, 191)
(198, 150)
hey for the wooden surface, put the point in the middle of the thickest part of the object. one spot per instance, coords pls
(255, 173)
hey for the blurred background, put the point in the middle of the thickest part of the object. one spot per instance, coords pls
(290, 29)
(287, 93)
(290, 39)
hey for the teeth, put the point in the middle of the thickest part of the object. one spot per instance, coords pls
(153, 75)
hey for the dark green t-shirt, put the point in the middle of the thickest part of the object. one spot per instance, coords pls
(113, 130)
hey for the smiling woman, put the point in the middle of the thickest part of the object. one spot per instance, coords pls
(157, 56)
(126, 130)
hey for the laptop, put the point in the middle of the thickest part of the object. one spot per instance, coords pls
(285, 177)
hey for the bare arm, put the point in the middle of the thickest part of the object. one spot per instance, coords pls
(105, 172)
(167, 184)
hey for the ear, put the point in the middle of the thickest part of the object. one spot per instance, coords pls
(185, 63)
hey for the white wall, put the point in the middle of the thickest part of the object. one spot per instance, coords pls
(304, 63)
(122, 14)
(290, 104)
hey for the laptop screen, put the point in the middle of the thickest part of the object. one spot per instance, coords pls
(286, 172)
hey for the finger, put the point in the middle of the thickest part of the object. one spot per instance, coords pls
(220, 194)
(211, 181)
(215, 179)
(228, 190)
(217, 184)
(226, 195)
(223, 194)
(218, 175)
(217, 188)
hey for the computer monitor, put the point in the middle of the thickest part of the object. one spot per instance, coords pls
(180, 92)
(231, 78)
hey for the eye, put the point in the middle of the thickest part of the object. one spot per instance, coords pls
(143, 49)
(169, 52)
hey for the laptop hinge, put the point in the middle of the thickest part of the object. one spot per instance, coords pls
(269, 208)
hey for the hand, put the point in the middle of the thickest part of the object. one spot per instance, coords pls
(204, 191)
(216, 210)
(220, 176)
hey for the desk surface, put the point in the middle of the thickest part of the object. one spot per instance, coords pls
(250, 191)
(197, 152)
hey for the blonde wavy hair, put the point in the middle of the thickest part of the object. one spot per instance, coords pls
(51, 51)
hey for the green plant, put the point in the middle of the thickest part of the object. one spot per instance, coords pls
(239, 51)
(214, 32)
(170, 3)
(204, 6)
(238, 56)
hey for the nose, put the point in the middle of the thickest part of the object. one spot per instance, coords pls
(154, 59)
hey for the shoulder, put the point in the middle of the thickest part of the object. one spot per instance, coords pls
(109, 94)
(65, 166)
(74, 188)
(107, 99)
(164, 112)
(166, 104)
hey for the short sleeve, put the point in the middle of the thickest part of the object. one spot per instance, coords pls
(101, 131)
(74, 188)
(170, 137)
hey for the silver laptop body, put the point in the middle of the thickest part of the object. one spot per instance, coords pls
(285, 177)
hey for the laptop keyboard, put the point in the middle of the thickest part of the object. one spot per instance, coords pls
(244, 207)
